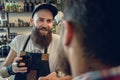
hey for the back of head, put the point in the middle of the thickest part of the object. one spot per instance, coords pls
(99, 21)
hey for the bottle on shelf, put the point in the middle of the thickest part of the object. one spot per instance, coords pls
(45, 1)
(59, 1)
(31, 6)
(39, 2)
(7, 6)
(2, 6)
(26, 6)
(51, 2)
(11, 6)
(16, 23)
(14, 6)
(35, 3)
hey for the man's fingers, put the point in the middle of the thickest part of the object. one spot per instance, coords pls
(52, 74)
(43, 78)
(19, 69)
(68, 78)
(21, 64)
(22, 69)
(17, 59)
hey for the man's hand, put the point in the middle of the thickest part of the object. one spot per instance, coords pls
(53, 76)
(17, 69)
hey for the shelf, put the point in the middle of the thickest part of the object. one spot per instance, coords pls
(18, 12)
(15, 27)
(21, 27)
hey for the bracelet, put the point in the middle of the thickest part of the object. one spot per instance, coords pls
(9, 70)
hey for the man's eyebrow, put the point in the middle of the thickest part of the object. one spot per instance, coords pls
(49, 19)
(44, 18)
(40, 18)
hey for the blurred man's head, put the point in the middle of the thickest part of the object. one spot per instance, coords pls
(42, 20)
(91, 38)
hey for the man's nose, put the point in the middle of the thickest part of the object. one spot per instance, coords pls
(45, 24)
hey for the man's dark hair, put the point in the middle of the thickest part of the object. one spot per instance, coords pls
(99, 22)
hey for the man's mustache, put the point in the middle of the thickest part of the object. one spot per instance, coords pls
(43, 28)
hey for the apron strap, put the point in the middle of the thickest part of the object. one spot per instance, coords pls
(24, 47)
(45, 51)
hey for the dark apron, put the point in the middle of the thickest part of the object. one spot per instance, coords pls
(38, 65)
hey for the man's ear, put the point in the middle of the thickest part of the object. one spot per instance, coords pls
(69, 33)
(31, 21)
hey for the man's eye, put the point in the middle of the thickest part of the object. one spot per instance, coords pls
(49, 21)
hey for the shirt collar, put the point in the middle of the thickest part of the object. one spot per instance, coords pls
(96, 75)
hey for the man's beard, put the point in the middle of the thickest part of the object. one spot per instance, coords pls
(39, 40)
(63, 63)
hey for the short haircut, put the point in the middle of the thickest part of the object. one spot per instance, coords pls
(99, 22)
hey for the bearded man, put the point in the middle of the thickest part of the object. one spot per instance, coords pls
(41, 40)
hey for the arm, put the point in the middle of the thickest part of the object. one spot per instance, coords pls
(8, 61)
(11, 60)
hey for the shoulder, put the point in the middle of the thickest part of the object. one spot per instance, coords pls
(55, 39)
(55, 36)
(21, 37)
(17, 43)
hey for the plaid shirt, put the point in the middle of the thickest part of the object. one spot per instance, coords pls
(107, 74)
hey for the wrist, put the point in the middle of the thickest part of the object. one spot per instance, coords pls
(10, 70)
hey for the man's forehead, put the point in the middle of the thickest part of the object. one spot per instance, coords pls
(45, 18)
(44, 12)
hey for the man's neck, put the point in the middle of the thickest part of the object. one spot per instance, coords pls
(80, 64)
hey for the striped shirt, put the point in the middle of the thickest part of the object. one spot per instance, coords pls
(107, 74)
